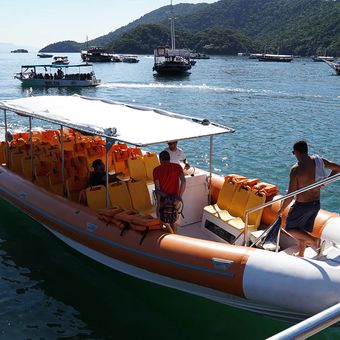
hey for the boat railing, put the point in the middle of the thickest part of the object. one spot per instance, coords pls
(312, 325)
(318, 184)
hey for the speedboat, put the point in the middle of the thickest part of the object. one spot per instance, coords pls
(276, 57)
(334, 65)
(320, 58)
(199, 56)
(44, 55)
(132, 59)
(55, 75)
(221, 251)
(60, 60)
(171, 61)
(96, 54)
(116, 58)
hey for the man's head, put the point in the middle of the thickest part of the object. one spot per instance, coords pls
(300, 149)
(98, 165)
(164, 157)
(172, 145)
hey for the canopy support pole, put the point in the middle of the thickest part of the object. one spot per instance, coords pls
(62, 157)
(31, 147)
(6, 139)
(210, 167)
(108, 143)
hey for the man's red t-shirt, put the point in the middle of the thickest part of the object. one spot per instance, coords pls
(168, 176)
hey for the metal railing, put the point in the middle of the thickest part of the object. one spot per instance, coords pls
(310, 326)
(320, 183)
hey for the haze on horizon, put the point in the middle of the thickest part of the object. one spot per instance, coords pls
(41, 23)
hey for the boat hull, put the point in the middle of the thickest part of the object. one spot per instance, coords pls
(58, 82)
(171, 69)
(269, 283)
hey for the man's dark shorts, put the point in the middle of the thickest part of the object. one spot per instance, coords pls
(302, 215)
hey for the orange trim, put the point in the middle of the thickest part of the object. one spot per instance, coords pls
(171, 255)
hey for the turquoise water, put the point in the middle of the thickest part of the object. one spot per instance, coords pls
(49, 291)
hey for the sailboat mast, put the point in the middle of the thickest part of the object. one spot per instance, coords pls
(172, 30)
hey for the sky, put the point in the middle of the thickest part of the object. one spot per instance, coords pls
(38, 23)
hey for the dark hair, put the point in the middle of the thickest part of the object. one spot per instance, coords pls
(301, 146)
(164, 156)
(96, 163)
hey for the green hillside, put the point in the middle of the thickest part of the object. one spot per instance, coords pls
(302, 27)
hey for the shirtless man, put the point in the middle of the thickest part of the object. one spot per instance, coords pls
(303, 212)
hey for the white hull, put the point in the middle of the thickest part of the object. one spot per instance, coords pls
(59, 82)
(183, 286)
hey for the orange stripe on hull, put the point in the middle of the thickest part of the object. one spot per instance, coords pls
(211, 264)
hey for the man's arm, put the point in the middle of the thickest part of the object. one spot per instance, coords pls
(186, 164)
(334, 167)
(158, 196)
(293, 185)
(182, 185)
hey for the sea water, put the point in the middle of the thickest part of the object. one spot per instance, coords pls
(49, 291)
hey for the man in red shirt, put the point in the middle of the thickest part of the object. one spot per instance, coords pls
(169, 184)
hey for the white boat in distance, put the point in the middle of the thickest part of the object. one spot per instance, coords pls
(287, 58)
(81, 75)
(335, 66)
(44, 55)
(322, 58)
(60, 60)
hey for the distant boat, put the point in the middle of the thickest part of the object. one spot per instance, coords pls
(199, 56)
(335, 66)
(321, 58)
(97, 54)
(255, 55)
(276, 57)
(58, 75)
(19, 50)
(171, 61)
(132, 59)
(116, 58)
(60, 60)
(44, 55)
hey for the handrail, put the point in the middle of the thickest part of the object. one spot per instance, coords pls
(310, 326)
(320, 183)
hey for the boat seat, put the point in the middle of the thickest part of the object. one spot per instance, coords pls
(134, 152)
(96, 197)
(255, 198)
(224, 198)
(2, 152)
(140, 197)
(26, 167)
(15, 163)
(41, 172)
(237, 207)
(68, 143)
(55, 181)
(74, 185)
(136, 168)
(80, 166)
(119, 195)
(151, 161)
(119, 160)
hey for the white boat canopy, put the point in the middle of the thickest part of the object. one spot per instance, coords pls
(123, 122)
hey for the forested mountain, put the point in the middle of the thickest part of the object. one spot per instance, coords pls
(228, 26)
